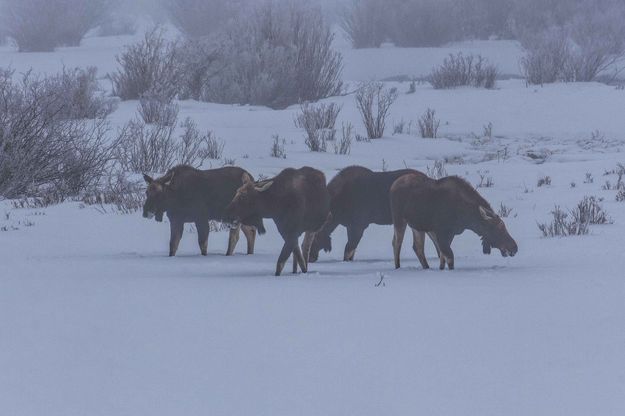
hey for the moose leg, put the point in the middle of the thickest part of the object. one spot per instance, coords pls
(447, 255)
(285, 253)
(203, 229)
(438, 250)
(418, 245)
(309, 237)
(233, 239)
(250, 236)
(354, 235)
(299, 259)
(435, 241)
(398, 238)
(295, 260)
(176, 229)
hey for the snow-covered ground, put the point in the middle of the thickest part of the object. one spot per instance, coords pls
(96, 320)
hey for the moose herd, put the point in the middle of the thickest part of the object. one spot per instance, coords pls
(300, 202)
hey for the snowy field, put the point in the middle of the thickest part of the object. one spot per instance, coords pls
(97, 320)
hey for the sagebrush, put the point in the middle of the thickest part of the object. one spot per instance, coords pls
(373, 103)
(149, 67)
(464, 70)
(43, 147)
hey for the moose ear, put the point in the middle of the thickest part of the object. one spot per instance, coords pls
(147, 179)
(487, 214)
(263, 186)
(168, 179)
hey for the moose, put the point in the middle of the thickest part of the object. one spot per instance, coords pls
(189, 195)
(359, 197)
(444, 208)
(298, 202)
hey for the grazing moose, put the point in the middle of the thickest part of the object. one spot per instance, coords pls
(298, 202)
(444, 208)
(188, 195)
(359, 197)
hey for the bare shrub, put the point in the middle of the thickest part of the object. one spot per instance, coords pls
(154, 148)
(194, 147)
(343, 146)
(374, 103)
(69, 95)
(464, 70)
(317, 117)
(598, 42)
(153, 110)
(317, 140)
(213, 148)
(144, 148)
(487, 131)
(76, 92)
(201, 61)
(620, 173)
(588, 43)
(564, 224)
(486, 181)
(544, 181)
(402, 127)
(546, 55)
(504, 211)
(428, 124)
(42, 25)
(277, 56)
(278, 147)
(42, 152)
(437, 171)
(117, 190)
(319, 123)
(148, 67)
(588, 211)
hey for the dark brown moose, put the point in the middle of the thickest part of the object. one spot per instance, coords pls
(359, 197)
(444, 208)
(298, 202)
(189, 195)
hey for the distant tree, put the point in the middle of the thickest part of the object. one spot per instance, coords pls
(366, 22)
(200, 18)
(277, 56)
(42, 25)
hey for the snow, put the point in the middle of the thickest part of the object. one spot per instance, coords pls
(96, 320)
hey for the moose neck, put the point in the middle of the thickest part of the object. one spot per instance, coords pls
(266, 205)
(475, 223)
(168, 199)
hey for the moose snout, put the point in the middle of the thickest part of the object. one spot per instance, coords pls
(510, 250)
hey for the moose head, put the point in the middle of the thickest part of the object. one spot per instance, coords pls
(157, 196)
(494, 233)
(248, 204)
